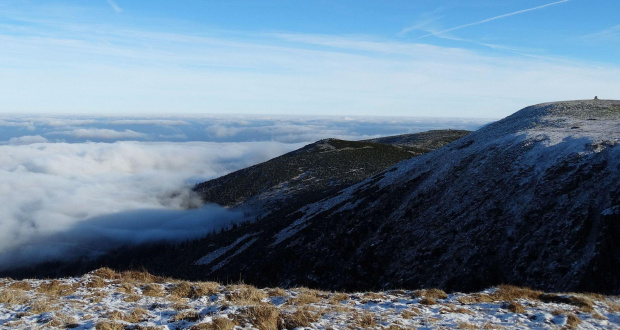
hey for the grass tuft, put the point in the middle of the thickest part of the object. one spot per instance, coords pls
(572, 321)
(584, 303)
(56, 288)
(107, 273)
(302, 317)
(153, 290)
(12, 297)
(428, 301)
(431, 293)
(510, 292)
(106, 325)
(245, 295)
(219, 323)
(264, 317)
(515, 307)
(366, 320)
(190, 316)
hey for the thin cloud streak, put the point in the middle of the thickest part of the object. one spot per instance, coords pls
(493, 19)
(114, 6)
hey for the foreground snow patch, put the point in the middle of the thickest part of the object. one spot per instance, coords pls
(105, 299)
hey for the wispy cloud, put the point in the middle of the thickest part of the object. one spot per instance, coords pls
(114, 6)
(426, 24)
(235, 72)
(101, 133)
(606, 34)
(493, 18)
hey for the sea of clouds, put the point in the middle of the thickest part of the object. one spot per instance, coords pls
(74, 186)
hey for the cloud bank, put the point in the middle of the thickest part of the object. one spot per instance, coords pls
(217, 128)
(74, 186)
(63, 200)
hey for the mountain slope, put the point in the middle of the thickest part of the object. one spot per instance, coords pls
(275, 188)
(532, 199)
(316, 170)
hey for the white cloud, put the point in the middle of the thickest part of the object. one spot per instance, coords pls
(102, 133)
(166, 122)
(59, 198)
(27, 139)
(281, 73)
(605, 35)
(114, 6)
(493, 18)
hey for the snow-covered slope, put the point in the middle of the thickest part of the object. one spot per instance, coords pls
(531, 199)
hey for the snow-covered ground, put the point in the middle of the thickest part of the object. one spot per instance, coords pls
(105, 299)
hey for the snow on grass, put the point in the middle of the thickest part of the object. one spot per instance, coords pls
(105, 299)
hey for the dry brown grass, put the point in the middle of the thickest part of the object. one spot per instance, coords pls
(584, 303)
(107, 273)
(179, 306)
(490, 325)
(302, 317)
(450, 308)
(591, 295)
(338, 297)
(96, 296)
(511, 292)
(515, 307)
(410, 313)
(181, 290)
(12, 297)
(140, 276)
(193, 290)
(190, 316)
(106, 325)
(306, 298)
(572, 321)
(428, 301)
(223, 323)
(206, 288)
(366, 320)
(245, 295)
(276, 292)
(153, 290)
(263, 317)
(20, 285)
(136, 316)
(373, 295)
(396, 327)
(613, 307)
(126, 288)
(430, 293)
(96, 282)
(475, 298)
(60, 320)
(219, 323)
(42, 306)
(465, 325)
(56, 288)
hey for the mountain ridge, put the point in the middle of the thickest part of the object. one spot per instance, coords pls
(529, 200)
(463, 217)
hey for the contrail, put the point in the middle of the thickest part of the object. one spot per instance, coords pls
(114, 6)
(492, 19)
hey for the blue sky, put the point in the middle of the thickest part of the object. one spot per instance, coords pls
(445, 58)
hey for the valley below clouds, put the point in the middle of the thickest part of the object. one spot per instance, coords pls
(73, 187)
